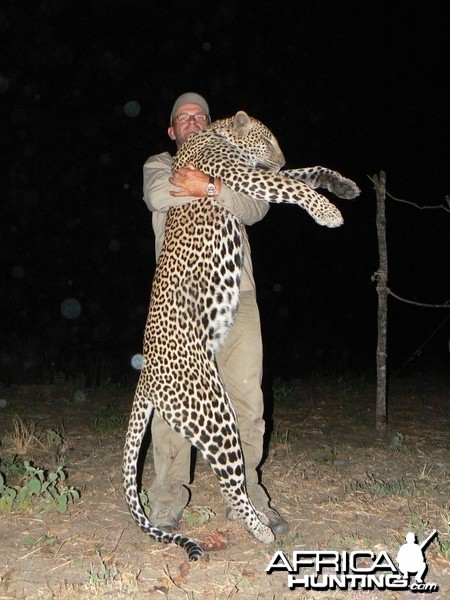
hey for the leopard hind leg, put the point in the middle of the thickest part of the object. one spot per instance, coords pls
(219, 443)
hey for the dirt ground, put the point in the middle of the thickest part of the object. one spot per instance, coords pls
(342, 487)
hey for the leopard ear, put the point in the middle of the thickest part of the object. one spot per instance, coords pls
(242, 123)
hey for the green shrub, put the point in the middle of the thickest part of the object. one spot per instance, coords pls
(38, 489)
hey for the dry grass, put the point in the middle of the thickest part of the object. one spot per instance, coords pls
(312, 470)
(26, 436)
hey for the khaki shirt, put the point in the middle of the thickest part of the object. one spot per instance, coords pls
(157, 170)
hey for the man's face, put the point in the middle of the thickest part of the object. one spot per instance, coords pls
(189, 119)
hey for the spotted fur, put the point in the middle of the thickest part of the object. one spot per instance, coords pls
(194, 299)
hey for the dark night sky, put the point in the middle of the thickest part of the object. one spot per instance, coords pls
(85, 92)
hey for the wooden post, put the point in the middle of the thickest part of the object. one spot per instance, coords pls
(381, 277)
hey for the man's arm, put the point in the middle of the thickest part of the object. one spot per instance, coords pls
(244, 207)
(157, 188)
(162, 190)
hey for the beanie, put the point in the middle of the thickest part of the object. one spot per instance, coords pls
(189, 98)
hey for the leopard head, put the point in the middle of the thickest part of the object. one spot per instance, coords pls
(255, 143)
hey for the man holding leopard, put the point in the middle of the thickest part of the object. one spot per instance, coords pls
(240, 359)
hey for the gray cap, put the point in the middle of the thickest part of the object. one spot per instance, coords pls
(189, 98)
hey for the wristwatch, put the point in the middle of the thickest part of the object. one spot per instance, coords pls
(211, 189)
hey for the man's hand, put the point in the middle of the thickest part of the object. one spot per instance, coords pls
(191, 181)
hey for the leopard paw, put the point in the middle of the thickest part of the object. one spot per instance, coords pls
(345, 188)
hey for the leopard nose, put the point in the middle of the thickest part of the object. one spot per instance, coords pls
(280, 161)
(278, 157)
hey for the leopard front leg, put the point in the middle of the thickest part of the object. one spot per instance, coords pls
(321, 177)
(277, 188)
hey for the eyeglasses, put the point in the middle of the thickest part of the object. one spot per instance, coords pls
(184, 118)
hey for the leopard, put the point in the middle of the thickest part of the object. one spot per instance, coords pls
(193, 302)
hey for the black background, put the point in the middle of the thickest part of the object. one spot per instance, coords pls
(354, 86)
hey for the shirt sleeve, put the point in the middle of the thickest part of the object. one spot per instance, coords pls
(244, 207)
(157, 171)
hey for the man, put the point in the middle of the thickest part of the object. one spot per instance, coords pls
(240, 360)
(410, 558)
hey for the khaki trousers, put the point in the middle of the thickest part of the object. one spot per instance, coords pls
(240, 366)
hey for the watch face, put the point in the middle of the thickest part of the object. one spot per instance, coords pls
(210, 189)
